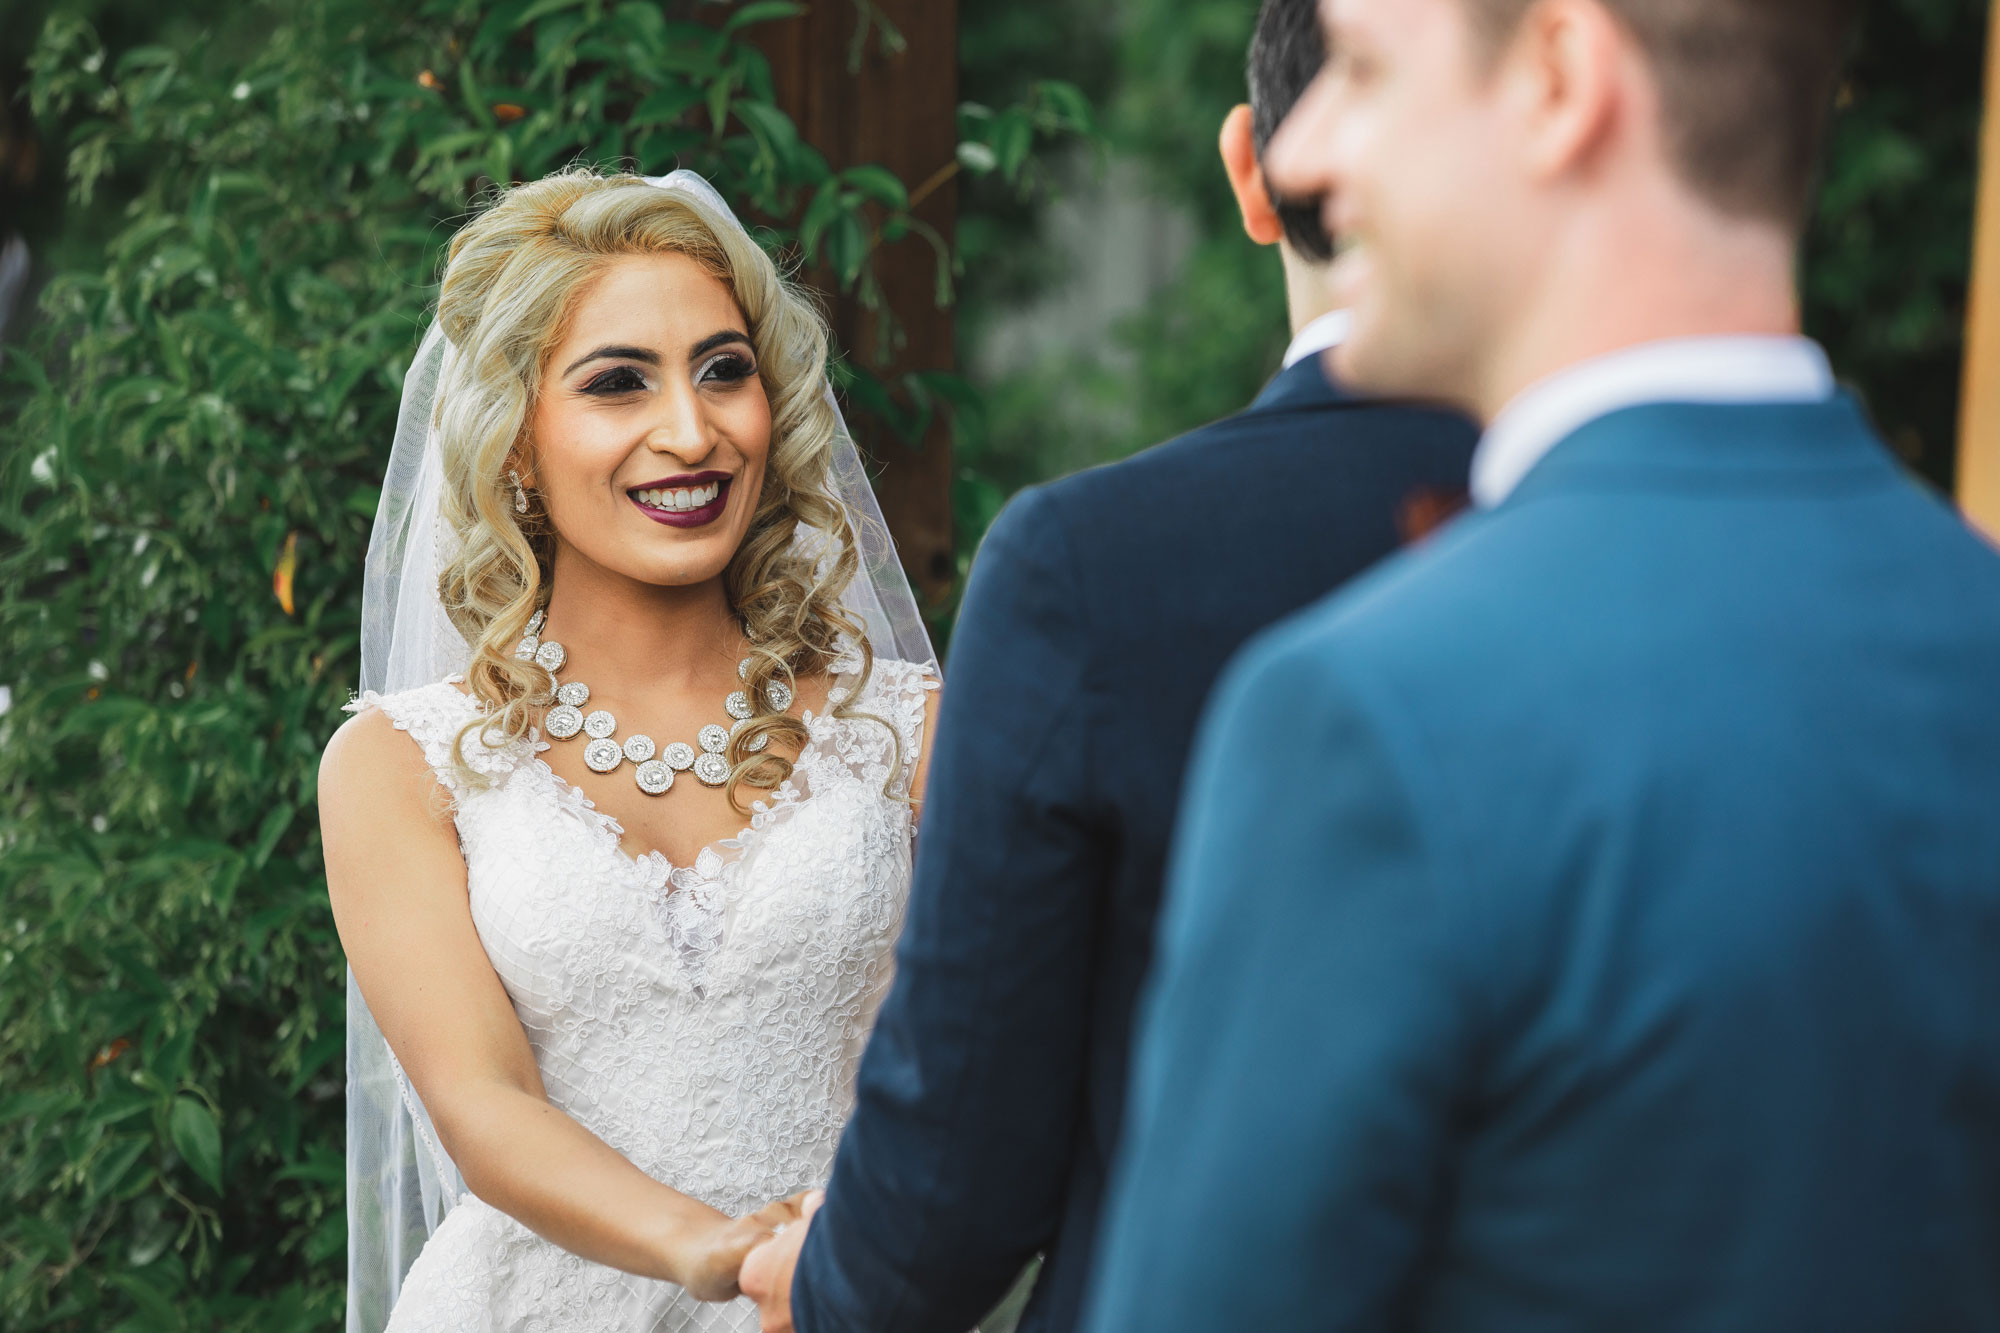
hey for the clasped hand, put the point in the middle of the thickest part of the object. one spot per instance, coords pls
(767, 1270)
(716, 1261)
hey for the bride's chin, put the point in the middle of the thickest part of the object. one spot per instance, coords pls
(685, 568)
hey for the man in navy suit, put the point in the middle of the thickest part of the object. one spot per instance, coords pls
(1590, 921)
(1100, 610)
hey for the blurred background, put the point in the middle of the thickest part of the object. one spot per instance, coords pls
(220, 227)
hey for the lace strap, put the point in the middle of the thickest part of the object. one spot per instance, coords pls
(898, 692)
(433, 715)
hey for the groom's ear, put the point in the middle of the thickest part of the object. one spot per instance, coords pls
(1246, 178)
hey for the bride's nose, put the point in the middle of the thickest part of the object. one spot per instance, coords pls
(681, 428)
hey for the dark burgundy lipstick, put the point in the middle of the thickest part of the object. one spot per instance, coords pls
(691, 500)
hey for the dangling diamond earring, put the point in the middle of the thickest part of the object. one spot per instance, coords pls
(520, 495)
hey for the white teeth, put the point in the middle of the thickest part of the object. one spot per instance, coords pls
(683, 500)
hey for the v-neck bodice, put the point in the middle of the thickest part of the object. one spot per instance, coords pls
(706, 1020)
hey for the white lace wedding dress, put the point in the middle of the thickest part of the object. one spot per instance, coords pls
(704, 1020)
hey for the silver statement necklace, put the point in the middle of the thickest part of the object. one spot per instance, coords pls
(654, 767)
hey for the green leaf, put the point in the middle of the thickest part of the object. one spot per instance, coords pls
(772, 126)
(475, 100)
(109, 1171)
(827, 205)
(762, 11)
(158, 1310)
(541, 9)
(847, 247)
(664, 105)
(719, 94)
(197, 1140)
(879, 184)
(1013, 137)
(1069, 108)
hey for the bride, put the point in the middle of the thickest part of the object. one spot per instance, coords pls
(619, 837)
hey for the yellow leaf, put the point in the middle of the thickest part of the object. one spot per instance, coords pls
(281, 577)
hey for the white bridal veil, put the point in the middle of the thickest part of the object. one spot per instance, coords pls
(400, 1182)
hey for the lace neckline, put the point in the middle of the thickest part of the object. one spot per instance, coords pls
(654, 865)
(690, 899)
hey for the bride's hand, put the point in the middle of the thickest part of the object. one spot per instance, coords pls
(715, 1257)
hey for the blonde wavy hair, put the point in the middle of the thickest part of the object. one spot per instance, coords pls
(512, 277)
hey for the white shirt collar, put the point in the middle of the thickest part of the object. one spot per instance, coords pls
(1320, 335)
(1744, 368)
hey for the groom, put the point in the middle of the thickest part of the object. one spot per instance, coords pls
(1592, 920)
(1100, 610)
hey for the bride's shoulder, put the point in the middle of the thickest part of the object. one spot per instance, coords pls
(376, 738)
(905, 695)
(380, 796)
(891, 681)
(443, 703)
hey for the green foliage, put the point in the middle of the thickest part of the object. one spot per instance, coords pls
(1887, 260)
(193, 449)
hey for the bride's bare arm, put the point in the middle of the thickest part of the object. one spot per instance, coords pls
(398, 885)
(920, 776)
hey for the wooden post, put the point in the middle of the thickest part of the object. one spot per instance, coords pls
(900, 110)
(1979, 416)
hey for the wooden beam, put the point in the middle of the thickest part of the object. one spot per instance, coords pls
(900, 110)
(1979, 415)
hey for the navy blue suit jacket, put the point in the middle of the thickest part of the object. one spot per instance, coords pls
(1100, 610)
(1591, 921)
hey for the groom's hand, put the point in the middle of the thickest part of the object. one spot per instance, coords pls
(767, 1271)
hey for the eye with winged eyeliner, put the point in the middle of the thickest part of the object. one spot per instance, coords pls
(617, 380)
(725, 368)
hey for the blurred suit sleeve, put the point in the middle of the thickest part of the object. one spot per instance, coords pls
(1298, 1060)
(950, 1174)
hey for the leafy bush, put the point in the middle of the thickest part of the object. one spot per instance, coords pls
(193, 450)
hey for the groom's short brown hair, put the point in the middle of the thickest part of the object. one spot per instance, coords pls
(1746, 88)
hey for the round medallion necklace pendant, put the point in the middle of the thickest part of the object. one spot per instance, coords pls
(754, 747)
(655, 765)
(525, 649)
(780, 695)
(602, 755)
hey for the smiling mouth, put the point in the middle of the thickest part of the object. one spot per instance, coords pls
(691, 503)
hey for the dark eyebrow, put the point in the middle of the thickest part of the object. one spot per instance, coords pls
(715, 340)
(619, 354)
(640, 354)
